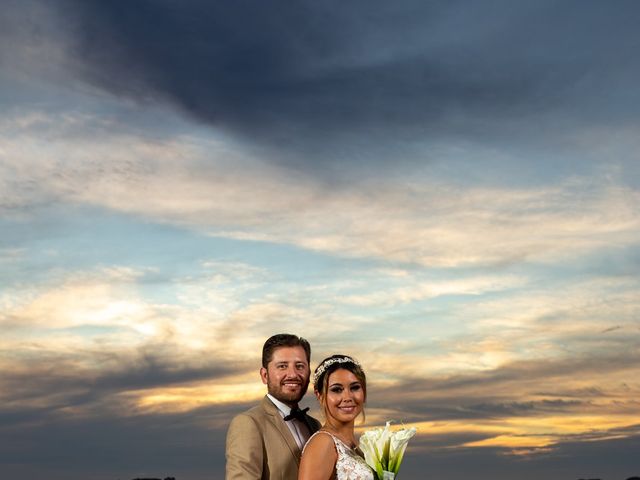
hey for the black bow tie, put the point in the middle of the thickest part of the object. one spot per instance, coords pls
(297, 413)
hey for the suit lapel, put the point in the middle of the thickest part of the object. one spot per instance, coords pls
(274, 417)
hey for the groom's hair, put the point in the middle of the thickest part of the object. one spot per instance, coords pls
(283, 340)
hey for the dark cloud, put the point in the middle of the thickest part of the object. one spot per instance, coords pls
(112, 443)
(610, 459)
(59, 382)
(66, 421)
(506, 391)
(328, 76)
(457, 407)
(184, 447)
(116, 447)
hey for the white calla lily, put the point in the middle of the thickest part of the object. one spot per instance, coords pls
(384, 449)
(399, 442)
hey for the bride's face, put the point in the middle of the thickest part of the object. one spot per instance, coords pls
(344, 396)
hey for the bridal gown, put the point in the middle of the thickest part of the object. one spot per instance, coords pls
(350, 465)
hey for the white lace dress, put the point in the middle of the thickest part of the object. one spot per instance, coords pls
(350, 465)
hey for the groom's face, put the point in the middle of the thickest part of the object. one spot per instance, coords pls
(287, 374)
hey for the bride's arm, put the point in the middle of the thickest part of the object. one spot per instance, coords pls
(319, 459)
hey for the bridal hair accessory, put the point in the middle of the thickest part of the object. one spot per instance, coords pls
(327, 363)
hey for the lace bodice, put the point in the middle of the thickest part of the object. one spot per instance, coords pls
(350, 465)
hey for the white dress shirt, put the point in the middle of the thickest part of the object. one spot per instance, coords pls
(298, 429)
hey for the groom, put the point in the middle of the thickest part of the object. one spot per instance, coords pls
(265, 442)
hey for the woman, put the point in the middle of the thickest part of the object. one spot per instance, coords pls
(332, 453)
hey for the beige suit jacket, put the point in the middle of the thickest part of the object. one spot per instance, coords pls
(260, 446)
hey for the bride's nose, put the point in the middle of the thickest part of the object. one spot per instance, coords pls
(347, 395)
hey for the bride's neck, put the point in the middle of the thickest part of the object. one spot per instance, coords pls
(344, 431)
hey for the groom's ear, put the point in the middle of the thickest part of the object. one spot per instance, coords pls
(263, 375)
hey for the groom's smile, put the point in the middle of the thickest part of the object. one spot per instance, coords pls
(292, 384)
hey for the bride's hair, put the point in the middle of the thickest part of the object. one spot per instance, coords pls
(330, 365)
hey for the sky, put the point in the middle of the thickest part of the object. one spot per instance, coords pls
(449, 191)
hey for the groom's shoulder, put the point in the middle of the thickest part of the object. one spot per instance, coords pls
(253, 419)
(255, 412)
(315, 421)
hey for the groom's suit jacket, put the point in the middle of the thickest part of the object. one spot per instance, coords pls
(260, 446)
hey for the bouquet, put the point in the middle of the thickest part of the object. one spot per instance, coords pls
(384, 449)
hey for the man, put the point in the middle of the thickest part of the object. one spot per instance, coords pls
(265, 442)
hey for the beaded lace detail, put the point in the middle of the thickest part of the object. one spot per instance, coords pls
(350, 465)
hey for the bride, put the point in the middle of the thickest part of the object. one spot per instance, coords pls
(332, 453)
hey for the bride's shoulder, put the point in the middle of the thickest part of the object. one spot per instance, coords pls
(319, 457)
(320, 443)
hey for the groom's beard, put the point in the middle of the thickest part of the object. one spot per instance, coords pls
(290, 395)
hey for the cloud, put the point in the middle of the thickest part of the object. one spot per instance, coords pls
(35, 40)
(503, 407)
(320, 86)
(564, 383)
(574, 313)
(92, 379)
(456, 201)
(116, 447)
(428, 290)
(81, 301)
(89, 341)
(189, 181)
(604, 459)
(526, 408)
(11, 255)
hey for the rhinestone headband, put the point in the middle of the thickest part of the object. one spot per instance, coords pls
(327, 363)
